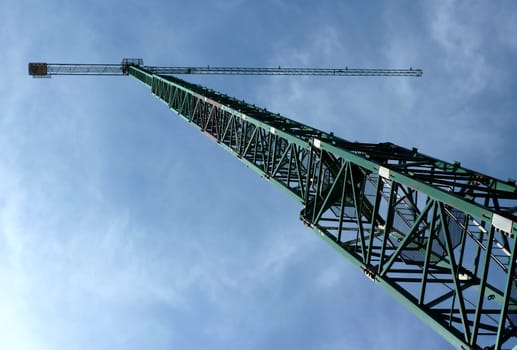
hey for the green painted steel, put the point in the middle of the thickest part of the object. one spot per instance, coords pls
(439, 237)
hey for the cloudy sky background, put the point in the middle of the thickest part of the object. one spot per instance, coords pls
(121, 227)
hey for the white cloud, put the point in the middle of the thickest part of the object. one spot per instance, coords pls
(16, 330)
(461, 39)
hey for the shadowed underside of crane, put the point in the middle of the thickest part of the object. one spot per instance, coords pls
(437, 236)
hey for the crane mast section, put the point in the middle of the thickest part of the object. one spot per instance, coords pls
(437, 236)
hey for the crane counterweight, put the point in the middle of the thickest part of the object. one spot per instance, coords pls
(37, 69)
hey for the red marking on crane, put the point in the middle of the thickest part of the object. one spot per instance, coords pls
(210, 136)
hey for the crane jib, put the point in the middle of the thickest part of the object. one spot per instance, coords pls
(40, 69)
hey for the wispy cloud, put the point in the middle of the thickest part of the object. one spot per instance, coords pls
(453, 29)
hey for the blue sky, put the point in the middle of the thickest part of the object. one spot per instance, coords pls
(122, 227)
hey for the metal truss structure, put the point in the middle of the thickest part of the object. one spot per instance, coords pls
(46, 70)
(437, 236)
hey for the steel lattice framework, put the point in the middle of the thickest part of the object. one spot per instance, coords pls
(437, 236)
(49, 69)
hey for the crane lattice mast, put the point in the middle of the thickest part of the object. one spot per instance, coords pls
(437, 236)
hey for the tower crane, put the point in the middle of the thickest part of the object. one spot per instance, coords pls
(438, 237)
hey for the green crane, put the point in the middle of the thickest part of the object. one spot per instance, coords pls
(437, 236)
